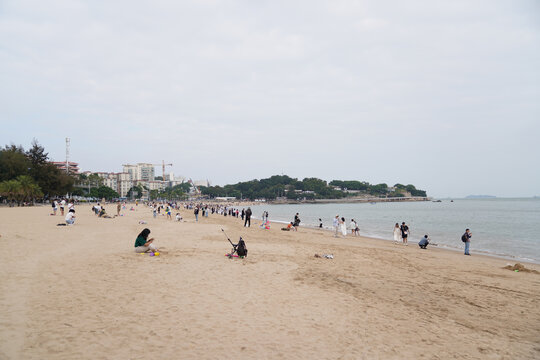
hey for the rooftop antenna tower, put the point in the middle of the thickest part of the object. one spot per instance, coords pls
(67, 155)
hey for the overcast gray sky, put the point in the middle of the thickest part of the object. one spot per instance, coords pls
(441, 94)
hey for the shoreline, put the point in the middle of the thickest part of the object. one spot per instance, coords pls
(415, 243)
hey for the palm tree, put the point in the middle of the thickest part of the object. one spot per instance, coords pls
(11, 189)
(29, 189)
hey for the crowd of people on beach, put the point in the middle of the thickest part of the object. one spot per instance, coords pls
(401, 233)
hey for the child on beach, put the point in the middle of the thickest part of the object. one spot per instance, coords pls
(143, 244)
(178, 217)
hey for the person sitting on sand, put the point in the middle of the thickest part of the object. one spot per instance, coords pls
(103, 215)
(178, 217)
(70, 217)
(424, 242)
(143, 244)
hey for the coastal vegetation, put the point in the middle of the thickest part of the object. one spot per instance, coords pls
(285, 187)
(28, 175)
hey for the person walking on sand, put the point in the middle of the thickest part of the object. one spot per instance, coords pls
(335, 224)
(397, 233)
(320, 223)
(196, 212)
(118, 207)
(143, 244)
(466, 238)
(247, 222)
(404, 232)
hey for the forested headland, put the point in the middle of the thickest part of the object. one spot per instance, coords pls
(285, 187)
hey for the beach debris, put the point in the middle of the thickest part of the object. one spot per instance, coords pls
(142, 222)
(518, 267)
(325, 256)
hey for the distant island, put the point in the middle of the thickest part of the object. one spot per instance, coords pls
(480, 197)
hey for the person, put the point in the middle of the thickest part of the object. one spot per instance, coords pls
(143, 244)
(424, 242)
(248, 218)
(296, 223)
(466, 238)
(154, 211)
(335, 224)
(168, 211)
(404, 232)
(196, 212)
(118, 207)
(178, 217)
(70, 217)
(343, 226)
(242, 215)
(320, 223)
(397, 233)
(62, 205)
(353, 227)
(71, 204)
(54, 205)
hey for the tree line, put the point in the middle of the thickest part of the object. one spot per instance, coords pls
(27, 175)
(279, 186)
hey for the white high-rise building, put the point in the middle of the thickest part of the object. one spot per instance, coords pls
(141, 171)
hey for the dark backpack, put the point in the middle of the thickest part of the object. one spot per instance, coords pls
(241, 249)
(464, 238)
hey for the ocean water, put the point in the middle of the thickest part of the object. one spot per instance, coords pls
(508, 228)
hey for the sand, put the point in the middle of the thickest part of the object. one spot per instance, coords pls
(80, 292)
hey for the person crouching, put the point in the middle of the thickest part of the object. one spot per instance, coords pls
(424, 242)
(70, 217)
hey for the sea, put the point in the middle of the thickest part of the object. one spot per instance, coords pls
(502, 227)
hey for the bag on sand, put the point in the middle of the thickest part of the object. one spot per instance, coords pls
(241, 249)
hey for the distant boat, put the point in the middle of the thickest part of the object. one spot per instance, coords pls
(437, 201)
(451, 200)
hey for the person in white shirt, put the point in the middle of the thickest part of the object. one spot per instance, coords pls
(71, 205)
(178, 217)
(62, 204)
(70, 217)
(354, 228)
(335, 223)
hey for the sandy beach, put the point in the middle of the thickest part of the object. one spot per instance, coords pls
(80, 292)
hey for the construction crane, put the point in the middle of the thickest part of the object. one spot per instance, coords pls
(162, 168)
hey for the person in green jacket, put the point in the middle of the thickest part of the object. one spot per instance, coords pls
(143, 244)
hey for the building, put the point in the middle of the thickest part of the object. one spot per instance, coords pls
(73, 166)
(141, 171)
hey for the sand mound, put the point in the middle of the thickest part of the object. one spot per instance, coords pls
(520, 268)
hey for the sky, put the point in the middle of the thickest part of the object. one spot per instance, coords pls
(444, 95)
